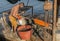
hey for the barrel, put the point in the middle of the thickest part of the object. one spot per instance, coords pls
(24, 32)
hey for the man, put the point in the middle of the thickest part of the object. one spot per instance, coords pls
(15, 15)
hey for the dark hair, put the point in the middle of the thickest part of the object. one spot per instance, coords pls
(21, 3)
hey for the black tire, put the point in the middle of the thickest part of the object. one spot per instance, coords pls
(12, 1)
(41, 0)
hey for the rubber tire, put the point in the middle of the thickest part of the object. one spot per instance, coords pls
(41, 0)
(12, 1)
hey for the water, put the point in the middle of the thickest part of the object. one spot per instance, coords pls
(38, 6)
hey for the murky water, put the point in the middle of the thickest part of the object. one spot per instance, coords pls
(36, 4)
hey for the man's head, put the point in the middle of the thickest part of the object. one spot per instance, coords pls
(21, 4)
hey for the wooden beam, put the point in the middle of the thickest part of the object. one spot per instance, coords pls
(54, 20)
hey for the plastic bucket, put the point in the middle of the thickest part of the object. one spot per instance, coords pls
(24, 32)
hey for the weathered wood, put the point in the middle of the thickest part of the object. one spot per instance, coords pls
(54, 19)
(13, 36)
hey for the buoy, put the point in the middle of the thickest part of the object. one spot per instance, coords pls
(24, 32)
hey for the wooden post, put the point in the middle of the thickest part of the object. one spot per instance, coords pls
(47, 8)
(54, 20)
